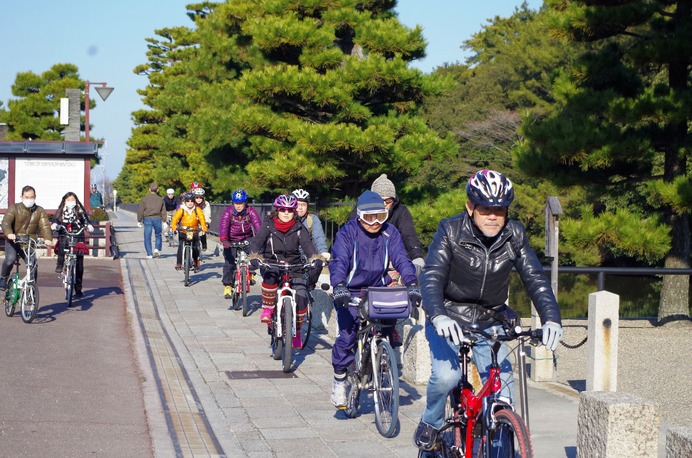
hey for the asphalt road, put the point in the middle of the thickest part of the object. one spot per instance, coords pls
(70, 386)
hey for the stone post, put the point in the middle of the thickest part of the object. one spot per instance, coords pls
(415, 355)
(614, 425)
(679, 442)
(602, 342)
(541, 358)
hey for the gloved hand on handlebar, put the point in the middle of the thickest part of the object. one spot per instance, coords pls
(414, 295)
(201, 233)
(255, 263)
(54, 227)
(90, 228)
(552, 335)
(342, 296)
(447, 327)
(226, 244)
(317, 264)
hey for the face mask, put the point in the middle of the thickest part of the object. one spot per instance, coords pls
(28, 203)
(70, 204)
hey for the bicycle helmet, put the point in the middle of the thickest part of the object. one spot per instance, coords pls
(188, 196)
(239, 196)
(198, 192)
(286, 201)
(490, 189)
(195, 185)
(302, 195)
(170, 191)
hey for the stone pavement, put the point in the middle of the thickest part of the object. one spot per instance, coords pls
(212, 389)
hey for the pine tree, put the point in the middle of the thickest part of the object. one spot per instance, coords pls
(621, 122)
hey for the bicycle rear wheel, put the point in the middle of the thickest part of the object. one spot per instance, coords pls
(277, 342)
(288, 333)
(306, 326)
(9, 305)
(244, 282)
(29, 302)
(509, 439)
(386, 390)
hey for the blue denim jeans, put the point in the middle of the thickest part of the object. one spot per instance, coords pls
(446, 371)
(149, 224)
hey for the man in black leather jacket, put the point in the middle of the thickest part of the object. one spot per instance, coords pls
(466, 280)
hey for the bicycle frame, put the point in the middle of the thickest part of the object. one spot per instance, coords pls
(472, 411)
(241, 261)
(21, 287)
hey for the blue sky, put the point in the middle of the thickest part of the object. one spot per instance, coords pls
(106, 40)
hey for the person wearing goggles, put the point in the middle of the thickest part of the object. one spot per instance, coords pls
(362, 249)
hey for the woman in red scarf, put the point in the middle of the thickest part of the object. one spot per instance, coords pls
(280, 239)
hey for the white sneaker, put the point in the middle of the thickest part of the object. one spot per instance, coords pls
(149, 257)
(156, 253)
(339, 391)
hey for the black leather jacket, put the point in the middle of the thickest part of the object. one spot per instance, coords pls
(470, 283)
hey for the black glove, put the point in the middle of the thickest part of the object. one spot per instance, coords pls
(414, 295)
(342, 296)
(255, 263)
(226, 244)
(317, 264)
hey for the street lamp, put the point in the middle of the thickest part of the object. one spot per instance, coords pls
(103, 91)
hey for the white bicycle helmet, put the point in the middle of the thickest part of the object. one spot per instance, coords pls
(301, 195)
(198, 192)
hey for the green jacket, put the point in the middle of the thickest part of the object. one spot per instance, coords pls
(15, 221)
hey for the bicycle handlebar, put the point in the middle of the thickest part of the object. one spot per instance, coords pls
(241, 244)
(284, 266)
(510, 333)
(63, 228)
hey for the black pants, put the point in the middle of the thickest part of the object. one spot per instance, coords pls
(12, 250)
(195, 246)
(229, 266)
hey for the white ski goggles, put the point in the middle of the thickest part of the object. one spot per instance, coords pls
(373, 217)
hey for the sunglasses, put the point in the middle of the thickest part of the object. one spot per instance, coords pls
(485, 211)
(388, 201)
(373, 218)
(285, 210)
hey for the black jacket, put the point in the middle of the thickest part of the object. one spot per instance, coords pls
(401, 218)
(470, 283)
(276, 246)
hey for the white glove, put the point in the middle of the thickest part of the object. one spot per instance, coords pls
(139, 224)
(418, 263)
(164, 226)
(326, 255)
(552, 335)
(447, 327)
(54, 227)
(90, 228)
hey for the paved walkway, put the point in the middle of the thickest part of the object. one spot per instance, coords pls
(212, 389)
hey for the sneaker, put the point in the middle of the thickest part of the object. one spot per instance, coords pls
(204, 249)
(58, 268)
(150, 257)
(3, 283)
(425, 436)
(227, 292)
(339, 394)
(266, 316)
(78, 293)
(156, 253)
(196, 265)
(297, 342)
(178, 267)
(252, 280)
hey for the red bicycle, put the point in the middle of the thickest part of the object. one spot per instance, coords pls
(485, 423)
(242, 277)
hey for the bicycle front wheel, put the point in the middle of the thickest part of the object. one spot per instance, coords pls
(386, 390)
(277, 342)
(288, 333)
(69, 283)
(187, 260)
(244, 282)
(510, 437)
(29, 302)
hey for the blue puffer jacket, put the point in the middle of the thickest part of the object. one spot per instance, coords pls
(360, 259)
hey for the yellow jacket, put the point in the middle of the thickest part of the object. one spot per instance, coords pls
(189, 218)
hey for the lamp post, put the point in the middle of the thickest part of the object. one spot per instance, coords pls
(103, 91)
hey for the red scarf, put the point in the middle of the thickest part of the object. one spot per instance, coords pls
(283, 227)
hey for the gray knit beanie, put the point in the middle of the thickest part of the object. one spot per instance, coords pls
(383, 187)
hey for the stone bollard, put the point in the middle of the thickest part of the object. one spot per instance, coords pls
(679, 442)
(415, 358)
(540, 358)
(602, 343)
(613, 425)
(323, 316)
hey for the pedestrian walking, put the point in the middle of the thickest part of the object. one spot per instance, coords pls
(152, 215)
